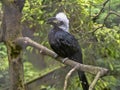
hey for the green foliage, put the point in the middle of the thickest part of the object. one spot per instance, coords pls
(30, 71)
(110, 41)
(3, 66)
(109, 51)
(101, 48)
(3, 58)
(113, 20)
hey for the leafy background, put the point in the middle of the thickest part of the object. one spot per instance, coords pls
(100, 48)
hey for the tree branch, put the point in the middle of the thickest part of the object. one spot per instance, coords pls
(110, 12)
(94, 81)
(115, 13)
(68, 76)
(87, 68)
(103, 6)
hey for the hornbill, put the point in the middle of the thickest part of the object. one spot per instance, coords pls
(65, 44)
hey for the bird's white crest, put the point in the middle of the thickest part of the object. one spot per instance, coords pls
(62, 17)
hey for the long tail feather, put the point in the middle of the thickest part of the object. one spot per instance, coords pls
(78, 58)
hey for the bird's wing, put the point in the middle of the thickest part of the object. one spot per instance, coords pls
(67, 41)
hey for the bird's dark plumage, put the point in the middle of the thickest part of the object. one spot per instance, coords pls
(65, 45)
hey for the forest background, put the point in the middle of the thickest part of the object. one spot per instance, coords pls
(96, 25)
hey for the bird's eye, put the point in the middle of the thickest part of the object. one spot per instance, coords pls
(61, 23)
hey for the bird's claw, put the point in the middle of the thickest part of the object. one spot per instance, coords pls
(65, 59)
(55, 56)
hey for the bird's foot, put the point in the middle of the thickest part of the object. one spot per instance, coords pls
(65, 59)
(56, 56)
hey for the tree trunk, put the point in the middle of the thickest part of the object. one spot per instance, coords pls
(11, 26)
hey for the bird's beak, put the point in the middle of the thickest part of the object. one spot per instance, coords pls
(52, 20)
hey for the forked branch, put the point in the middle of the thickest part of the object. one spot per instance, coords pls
(105, 19)
(68, 76)
(91, 87)
(87, 68)
(101, 10)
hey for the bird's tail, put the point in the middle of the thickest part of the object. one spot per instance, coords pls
(83, 80)
(78, 58)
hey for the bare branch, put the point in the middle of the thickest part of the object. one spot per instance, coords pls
(28, 42)
(68, 76)
(95, 81)
(105, 19)
(115, 13)
(87, 68)
(103, 6)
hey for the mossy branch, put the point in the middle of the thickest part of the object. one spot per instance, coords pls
(98, 71)
(87, 68)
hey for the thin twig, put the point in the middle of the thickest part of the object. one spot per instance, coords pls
(95, 81)
(105, 19)
(68, 76)
(115, 13)
(103, 6)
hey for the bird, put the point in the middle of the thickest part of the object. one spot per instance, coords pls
(65, 44)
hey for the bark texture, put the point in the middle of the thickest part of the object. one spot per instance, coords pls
(11, 26)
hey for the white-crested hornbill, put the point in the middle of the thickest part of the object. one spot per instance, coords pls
(65, 44)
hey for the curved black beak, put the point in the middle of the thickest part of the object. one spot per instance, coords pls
(52, 20)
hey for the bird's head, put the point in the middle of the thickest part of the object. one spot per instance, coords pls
(60, 20)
